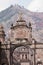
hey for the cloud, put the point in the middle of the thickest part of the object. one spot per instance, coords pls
(36, 5)
(14, 1)
(4, 4)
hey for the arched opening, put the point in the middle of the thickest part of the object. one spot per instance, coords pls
(22, 55)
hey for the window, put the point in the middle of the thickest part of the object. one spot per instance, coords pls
(26, 56)
(22, 56)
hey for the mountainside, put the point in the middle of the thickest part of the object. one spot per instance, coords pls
(11, 15)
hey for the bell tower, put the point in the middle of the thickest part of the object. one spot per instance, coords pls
(2, 34)
(21, 31)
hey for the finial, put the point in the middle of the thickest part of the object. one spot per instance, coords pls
(1, 26)
(29, 24)
(12, 24)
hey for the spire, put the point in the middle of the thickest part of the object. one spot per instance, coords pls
(2, 32)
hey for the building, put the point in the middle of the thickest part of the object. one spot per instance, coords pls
(22, 34)
(21, 48)
(2, 34)
(3, 56)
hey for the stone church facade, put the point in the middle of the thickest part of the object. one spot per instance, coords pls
(20, 48)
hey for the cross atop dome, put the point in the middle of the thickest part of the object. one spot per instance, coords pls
(20, 15)
(21, 21)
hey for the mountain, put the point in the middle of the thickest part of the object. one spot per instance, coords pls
(11, 15)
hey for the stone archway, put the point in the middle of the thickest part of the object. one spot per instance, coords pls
(18, 52)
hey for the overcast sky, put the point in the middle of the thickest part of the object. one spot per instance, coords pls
(32, 5)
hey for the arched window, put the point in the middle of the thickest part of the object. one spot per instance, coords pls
(25, 56)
